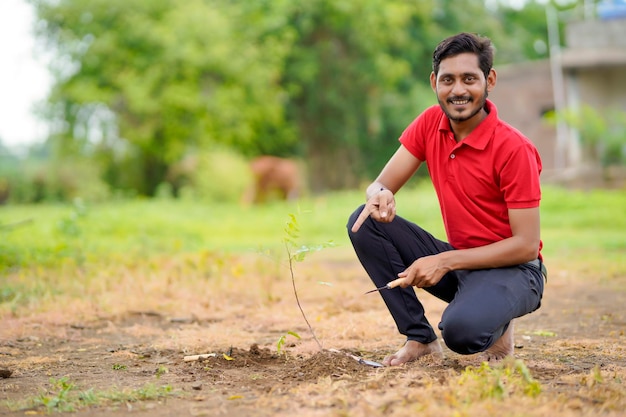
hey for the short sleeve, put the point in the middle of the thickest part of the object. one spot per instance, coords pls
(519, 177)
(415, 135)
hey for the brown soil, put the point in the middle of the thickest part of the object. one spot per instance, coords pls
(574, 346)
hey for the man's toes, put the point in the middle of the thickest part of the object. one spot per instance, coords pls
(388, 359)
(394, 360)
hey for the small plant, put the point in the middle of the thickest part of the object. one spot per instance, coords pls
(59, 399)
(161, 370)
(297, 253)
(64, 398)
(89, 397)
(119, 367)
(593, 378)
(499, 382)
(601, 133)
(69, 225)
(150, 392)
(283, 339)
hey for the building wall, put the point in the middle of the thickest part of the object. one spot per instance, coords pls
(602, 88)
(594, 68)
(523, 94)
(593, 65)
(596, 33)
(594, 61)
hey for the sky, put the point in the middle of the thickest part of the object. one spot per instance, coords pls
(24, 78)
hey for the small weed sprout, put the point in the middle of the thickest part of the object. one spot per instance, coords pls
(593, 378)
(63, 397)
(161, 370)
(88, 397)
(297, 253)
(69, 225)
(510, 378)
(283, 339)
(58, 400)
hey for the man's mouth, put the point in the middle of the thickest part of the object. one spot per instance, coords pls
(459, 101)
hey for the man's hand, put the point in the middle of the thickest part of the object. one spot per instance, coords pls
(380, 207)
(381, 204)
(424, 272)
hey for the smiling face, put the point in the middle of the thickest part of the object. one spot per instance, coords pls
(462, 88)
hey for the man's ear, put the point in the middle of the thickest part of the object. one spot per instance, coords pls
(491, 79)
(433, 81)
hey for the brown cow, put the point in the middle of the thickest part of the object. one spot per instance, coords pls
(274, 177)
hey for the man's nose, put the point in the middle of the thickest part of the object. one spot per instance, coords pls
(458, 88)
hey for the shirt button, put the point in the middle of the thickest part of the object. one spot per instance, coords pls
(452, 156)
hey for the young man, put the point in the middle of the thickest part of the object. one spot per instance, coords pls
(486, 175)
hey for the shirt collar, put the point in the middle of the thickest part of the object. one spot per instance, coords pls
(481, 135)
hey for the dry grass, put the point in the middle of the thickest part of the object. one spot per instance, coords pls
(111, 329)
(99, 308)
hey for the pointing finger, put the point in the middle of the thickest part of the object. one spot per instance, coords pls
(367, 210)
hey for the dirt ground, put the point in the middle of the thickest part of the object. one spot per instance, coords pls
(573, 347)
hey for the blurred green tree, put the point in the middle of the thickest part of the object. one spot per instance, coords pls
(142, 84)
(346, 73)
(602, 133)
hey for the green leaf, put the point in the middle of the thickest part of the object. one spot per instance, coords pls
(280, 343)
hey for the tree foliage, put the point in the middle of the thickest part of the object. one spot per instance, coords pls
(142, 84)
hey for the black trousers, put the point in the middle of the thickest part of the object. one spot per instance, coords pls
(481, 303)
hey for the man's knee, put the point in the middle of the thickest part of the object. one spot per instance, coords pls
(465, 336)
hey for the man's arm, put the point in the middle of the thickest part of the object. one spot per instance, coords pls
(521, 247)
(381, 205)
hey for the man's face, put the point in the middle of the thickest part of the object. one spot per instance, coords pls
(461, 87)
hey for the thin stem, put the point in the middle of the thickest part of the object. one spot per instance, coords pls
(295, 291)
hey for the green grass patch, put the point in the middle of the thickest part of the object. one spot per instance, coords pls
(47, 235)
(63, 396)
(42, 245)
(512, 377)
(143, 229)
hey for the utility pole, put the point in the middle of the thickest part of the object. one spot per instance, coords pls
(558, 87)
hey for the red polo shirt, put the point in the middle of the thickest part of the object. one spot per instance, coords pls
(477, 180)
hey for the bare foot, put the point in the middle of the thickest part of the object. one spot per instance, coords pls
(501, 349)
(411, 351)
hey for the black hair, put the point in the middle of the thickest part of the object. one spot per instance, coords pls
(462, 43)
